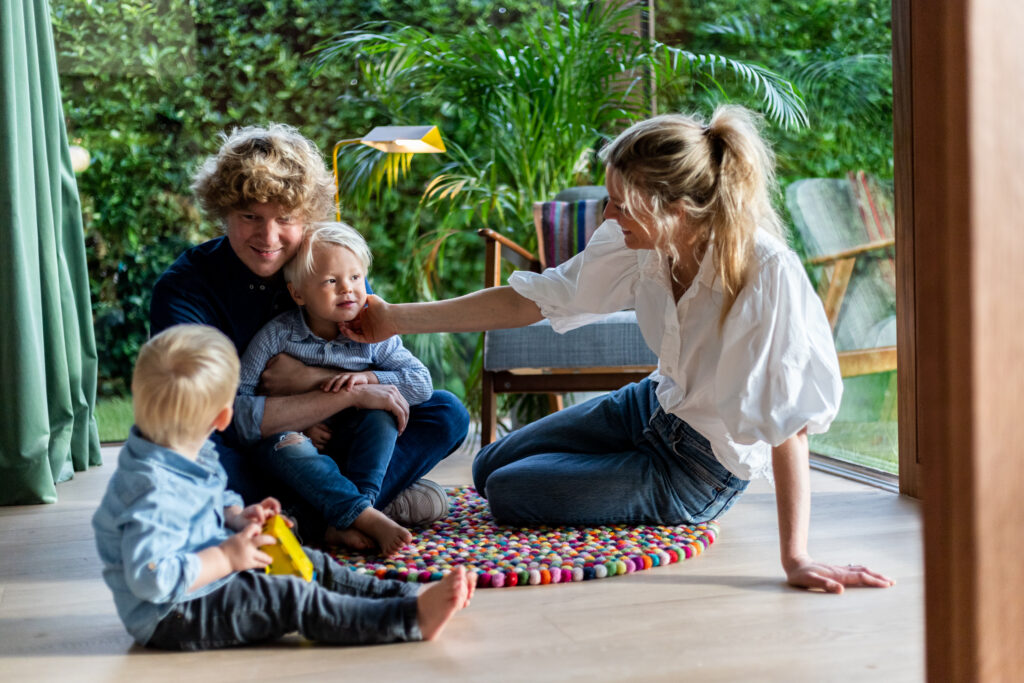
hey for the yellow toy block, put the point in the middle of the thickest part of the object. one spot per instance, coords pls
(287, 555)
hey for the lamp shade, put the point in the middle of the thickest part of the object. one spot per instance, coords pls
(405, 139)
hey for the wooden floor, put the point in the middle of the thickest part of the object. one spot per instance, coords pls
(724, 616)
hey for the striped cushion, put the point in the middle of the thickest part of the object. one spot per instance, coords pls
(563, 228)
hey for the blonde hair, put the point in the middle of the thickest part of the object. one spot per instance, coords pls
(272, 164)
(320, 235)
(183, 378)
(721, 173)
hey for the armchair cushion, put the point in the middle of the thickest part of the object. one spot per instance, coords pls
(614, 341)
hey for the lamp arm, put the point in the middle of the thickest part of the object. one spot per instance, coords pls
(334, 163)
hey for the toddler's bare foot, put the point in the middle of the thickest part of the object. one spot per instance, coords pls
(440, 601)
(350, 538)
(389, 535)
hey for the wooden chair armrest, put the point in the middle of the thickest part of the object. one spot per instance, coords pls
(851, 253)
(867, 361)
(492, 266)
(491, 235)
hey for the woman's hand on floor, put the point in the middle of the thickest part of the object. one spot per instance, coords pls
(807, 573)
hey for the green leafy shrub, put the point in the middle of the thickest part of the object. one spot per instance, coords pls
(149, 84)
(147, 87)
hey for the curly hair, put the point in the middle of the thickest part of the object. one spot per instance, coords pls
(271, 164)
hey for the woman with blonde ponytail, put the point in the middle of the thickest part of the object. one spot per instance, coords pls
(747, 368)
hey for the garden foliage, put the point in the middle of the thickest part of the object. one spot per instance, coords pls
(148, 85)
(522, 94)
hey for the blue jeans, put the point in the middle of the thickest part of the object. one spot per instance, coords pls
(616, 459)
(345, 479)
(435, 429)
(339, 606)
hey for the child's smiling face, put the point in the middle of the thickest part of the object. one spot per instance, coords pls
(334, 292)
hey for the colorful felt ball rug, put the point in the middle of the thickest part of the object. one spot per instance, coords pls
(505, 556)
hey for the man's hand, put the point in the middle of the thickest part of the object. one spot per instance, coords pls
(382, 397)
(243, 549)
(374, 323)
(806, 573)
(320, 435)
(287, 376)
(348, 380)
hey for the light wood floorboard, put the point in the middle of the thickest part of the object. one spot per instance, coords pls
(724, 616)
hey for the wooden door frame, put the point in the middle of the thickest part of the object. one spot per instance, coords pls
(958, 85)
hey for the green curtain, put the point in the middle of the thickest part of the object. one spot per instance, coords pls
(47, 348)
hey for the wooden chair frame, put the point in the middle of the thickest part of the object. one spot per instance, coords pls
(551, 381)
(837, 271)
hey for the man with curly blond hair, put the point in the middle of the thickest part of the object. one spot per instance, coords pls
(264, 185)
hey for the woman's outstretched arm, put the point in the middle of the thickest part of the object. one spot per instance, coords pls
(793, 499)
(493, 308)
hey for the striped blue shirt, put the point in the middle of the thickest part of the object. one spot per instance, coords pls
(288, 333)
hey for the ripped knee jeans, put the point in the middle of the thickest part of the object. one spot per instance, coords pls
(346, 478)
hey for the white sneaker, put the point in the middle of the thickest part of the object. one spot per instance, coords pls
(424, 502)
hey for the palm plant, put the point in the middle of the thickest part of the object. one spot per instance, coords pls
(839, 54)
(523, 109)
(526, 106)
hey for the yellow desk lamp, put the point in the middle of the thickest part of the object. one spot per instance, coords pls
(398, 142)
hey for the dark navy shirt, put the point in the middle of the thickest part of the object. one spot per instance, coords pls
(209, 285)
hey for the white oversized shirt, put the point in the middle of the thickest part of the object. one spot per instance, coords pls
(770, 371)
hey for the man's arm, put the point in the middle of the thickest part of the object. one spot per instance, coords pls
(298, 412)
(285, 375)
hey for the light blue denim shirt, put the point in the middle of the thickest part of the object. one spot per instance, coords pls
(159, 510)
(288, 333)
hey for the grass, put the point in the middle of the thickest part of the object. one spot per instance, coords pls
(114, 417)
(865, 431)
(871, 444)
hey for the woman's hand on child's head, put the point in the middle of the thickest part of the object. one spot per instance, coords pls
(243, 549)
(834, 578)
(373, 324)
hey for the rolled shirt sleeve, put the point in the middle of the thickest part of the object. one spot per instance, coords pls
(782, 374)
(599, 280)
(249, 408)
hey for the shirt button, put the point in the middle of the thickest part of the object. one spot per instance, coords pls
(262, 287)
(252, 286)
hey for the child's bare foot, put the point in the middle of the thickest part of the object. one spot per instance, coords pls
(440, 601)
(350, 538)
(389, 535)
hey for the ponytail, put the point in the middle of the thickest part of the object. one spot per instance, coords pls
(741, 199)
